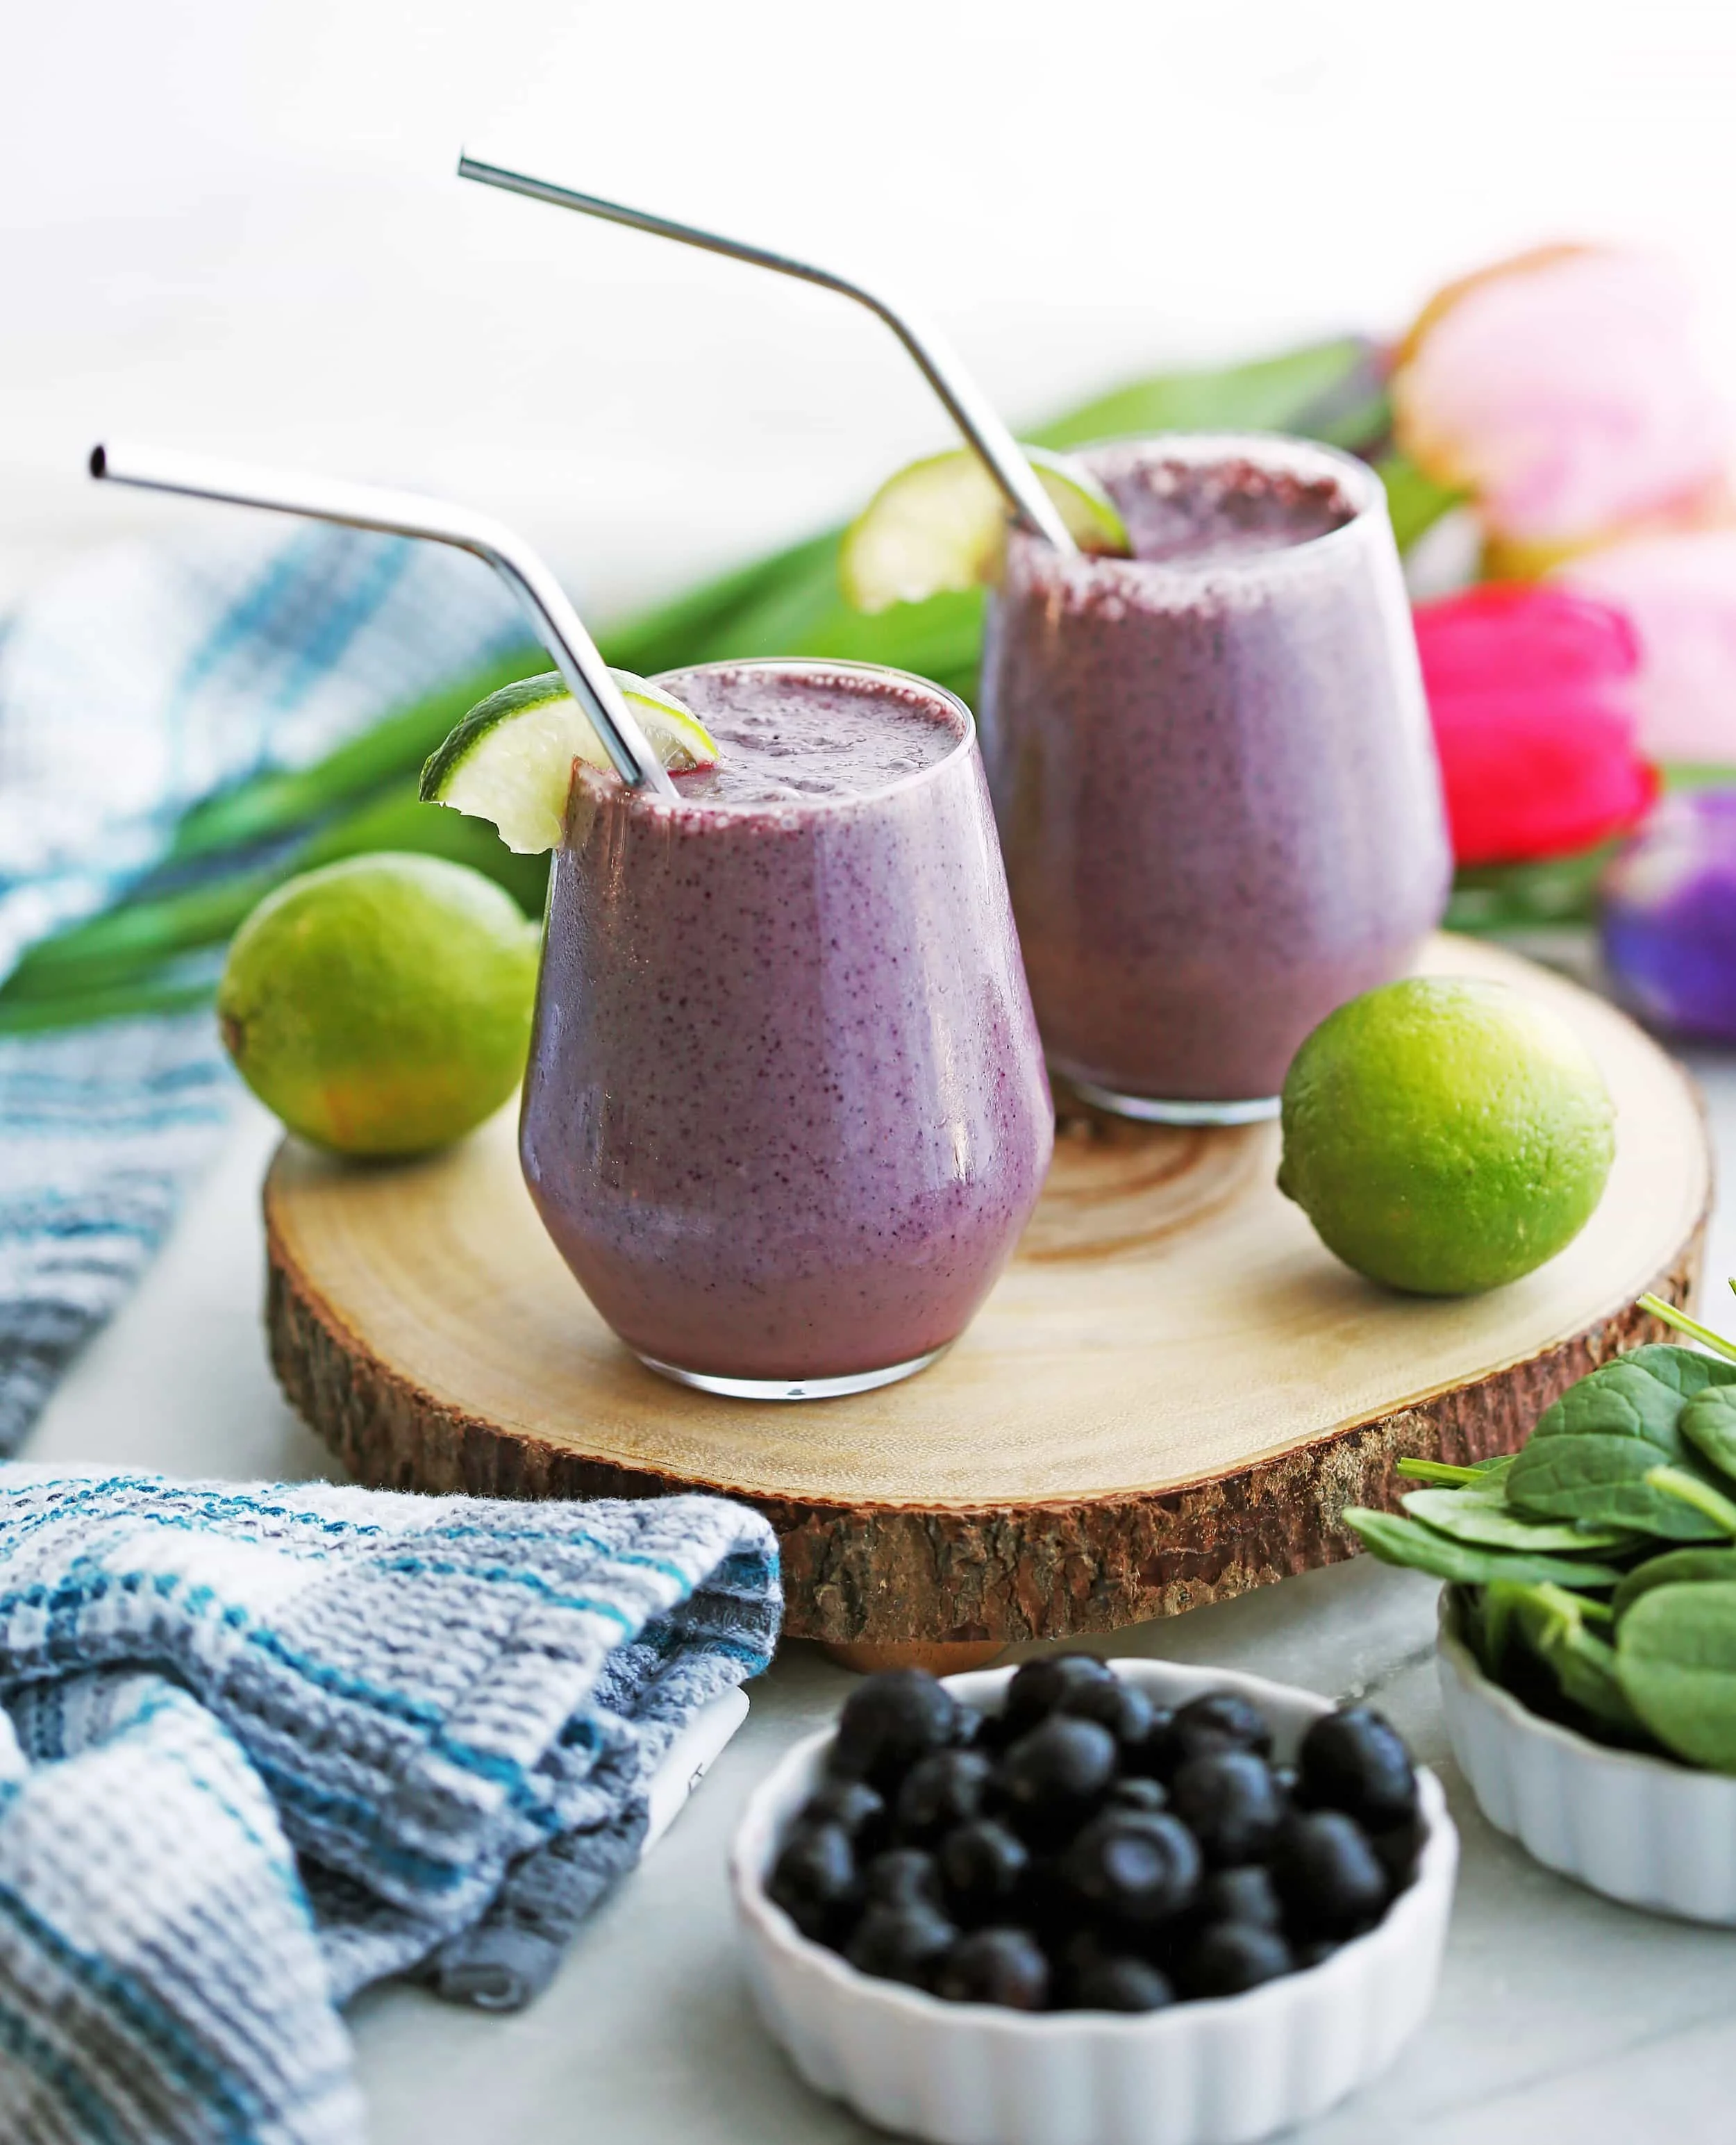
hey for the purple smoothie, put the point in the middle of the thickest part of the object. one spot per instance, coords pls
(786, 1112)
(1212, 768)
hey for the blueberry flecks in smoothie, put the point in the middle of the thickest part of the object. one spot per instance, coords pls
(1189, 513)
(786, 1115)
(792, 734)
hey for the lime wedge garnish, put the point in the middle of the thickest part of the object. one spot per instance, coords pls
(511, 760)
(942, 524)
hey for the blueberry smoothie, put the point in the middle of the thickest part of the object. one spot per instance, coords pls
(1213, 771)
(786, 1112)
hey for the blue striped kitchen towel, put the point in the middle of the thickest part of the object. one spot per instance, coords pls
(141, 680)
(260, 1746)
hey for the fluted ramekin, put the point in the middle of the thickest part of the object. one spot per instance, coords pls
(1220, 2072)
(1643, 1830)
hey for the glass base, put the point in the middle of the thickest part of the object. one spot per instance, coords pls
(793, 1389)
(1149, 1110)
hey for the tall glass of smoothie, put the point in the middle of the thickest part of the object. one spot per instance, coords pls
(1213, 771)
(786, 1112)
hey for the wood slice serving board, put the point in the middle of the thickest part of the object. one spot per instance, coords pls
(1169, 1398)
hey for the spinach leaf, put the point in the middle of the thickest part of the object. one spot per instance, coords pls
(1675, 1567)
(1709, 1423)
(1553, 1623)
(1675, 1654)
(1639, 1395)
(1689, 1370)
(1402, 1541)
(1600, 1476)
(1485, 1517)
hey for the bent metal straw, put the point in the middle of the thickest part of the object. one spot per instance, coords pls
(965, 402)
(409, 513)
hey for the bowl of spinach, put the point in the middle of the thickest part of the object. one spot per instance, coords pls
(1588, 1636)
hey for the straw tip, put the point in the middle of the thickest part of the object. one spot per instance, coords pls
(99, 461)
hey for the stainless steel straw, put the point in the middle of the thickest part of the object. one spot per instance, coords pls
(964, 400)
(408, 514)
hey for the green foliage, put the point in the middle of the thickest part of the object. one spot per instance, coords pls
(1604, 1480)
(1425, 1548)
(1414, 501)
(1676, 1656)
(1709, 1423)
(1487, 1519)
(1552, 1624)
(1637, 1457)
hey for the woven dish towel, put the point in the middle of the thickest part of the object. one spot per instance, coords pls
(143, 679)
(260, 1746)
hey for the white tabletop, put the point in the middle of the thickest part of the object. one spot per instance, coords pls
(1560, 2016)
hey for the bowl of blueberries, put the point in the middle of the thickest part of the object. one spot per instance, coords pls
(1094, 1902)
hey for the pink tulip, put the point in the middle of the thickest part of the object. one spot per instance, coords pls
(1530, 691)
(1563, 390)
(1679, 591)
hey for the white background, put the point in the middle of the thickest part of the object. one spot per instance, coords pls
(234, 224)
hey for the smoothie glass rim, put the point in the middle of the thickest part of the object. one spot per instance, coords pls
(964, 745)
(1291, 453)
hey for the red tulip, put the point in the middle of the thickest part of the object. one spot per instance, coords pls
(1530, 691)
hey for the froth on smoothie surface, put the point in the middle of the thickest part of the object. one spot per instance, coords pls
(1184, 513)
(783, 737)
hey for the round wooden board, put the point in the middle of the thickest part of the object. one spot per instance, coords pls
(1169, 1398)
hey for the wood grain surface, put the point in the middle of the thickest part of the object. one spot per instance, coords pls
(1169, 1398)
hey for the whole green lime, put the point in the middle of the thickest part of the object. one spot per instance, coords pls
(1445, 1136)
(381, 1005)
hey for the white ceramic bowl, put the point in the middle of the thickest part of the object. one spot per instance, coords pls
(1642, 1830)
(1222, 2073)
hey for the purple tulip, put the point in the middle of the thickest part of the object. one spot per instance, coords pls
(1670, 916)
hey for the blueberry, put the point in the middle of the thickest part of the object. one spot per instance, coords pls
(1246, 1895)
(1228, 1800)
(942, 1790)
(1311, 1955)
(1041, 1688)
(1328, 1876)
(1003, 1966)
(1118, 1982)
(1354, 1760)
(814, 1879)
(1053, 1776)
(888, 1722)
(901, 1942)
(1217, 1720)
(1136, 1794)
(1126, 1712)
(982, 1866)
(855, 1808)
(1229, 1957)
(901, 1877)
(1152, 1756)
(1399, 1849)
(1133, 1868)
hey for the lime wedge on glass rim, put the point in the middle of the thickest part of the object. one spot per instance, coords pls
(942, 524)
(511, 760)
